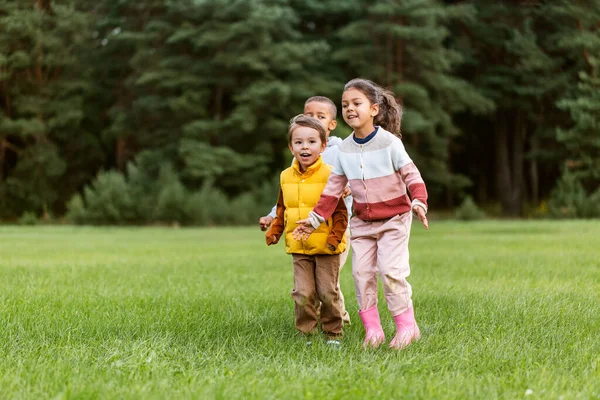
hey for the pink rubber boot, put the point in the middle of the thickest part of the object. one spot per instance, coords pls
(372, 323)
(407, 330)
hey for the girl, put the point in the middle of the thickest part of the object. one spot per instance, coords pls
(373, 160)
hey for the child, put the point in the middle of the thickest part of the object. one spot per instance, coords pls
(323, 109)
(316, 261)
(374, 161)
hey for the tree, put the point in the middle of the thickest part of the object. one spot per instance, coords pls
(579, 36)
(41, 91)
(406, 46)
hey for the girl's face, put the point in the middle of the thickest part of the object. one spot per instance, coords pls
(306, 146)
(358, 111)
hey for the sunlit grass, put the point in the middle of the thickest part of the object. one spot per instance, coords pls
(505, 309)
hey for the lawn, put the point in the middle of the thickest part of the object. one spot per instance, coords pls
(507, 310)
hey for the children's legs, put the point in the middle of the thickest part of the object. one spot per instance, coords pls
(327, 274)
(394, 269)
(364, 263)
(343, 258)
(304, 293)
(392, 256)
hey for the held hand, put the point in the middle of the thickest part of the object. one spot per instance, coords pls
(421, 214)
(303, 230)
(347, 192)
(264, 222)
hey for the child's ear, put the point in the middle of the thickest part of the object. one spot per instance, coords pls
(374, 109)
(332, 125)
(290, 147)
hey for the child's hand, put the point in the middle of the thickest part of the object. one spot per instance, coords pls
(271, 239)
(264, 222)
(303, 230)
(347, 192)
(421, 214)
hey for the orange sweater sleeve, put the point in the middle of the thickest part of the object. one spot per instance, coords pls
(276, 229)
(339, 225)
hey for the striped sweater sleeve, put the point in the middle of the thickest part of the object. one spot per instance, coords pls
(410, 175)
(329, 199)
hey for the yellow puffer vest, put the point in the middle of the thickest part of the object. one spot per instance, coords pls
(301, 192)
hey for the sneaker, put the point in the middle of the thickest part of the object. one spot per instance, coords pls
(346, 319)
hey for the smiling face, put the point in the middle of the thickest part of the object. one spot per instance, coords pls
(322, 112)
(306, 146)
(358, 112)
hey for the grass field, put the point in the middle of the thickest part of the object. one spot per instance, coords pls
(507, 310)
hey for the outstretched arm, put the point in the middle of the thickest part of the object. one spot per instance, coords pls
(339, 224)
(328, 202)
(265, 221)
(276, 230)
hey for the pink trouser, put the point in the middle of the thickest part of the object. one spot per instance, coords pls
(382, 246)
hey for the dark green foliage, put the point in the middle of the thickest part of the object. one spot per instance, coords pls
(41, 91)
(184, 104)
(404, 46)
(149, 195)
(106, 201)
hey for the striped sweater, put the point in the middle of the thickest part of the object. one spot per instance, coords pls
(379, 172)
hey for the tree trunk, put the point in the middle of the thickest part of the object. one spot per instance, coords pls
(45, 5)
(217, 139)
(534, 173)
(517, 165)
(449, 191)
(2, 152)
(503, 177)
(389, 68)
(120, 150)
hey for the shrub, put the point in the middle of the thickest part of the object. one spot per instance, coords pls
(106, 201)
(172, 198)
(209, 206)
(569, 199)
(468, 210)
(247, 210)
(28, 218)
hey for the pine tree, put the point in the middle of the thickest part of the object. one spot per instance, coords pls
(512, 60)
(406, 46)
(579, 36)
(41, 103)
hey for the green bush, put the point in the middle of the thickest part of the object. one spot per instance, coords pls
(468, 210)
(209, 206)
(29, 218)
(172, 199)
(247, 210)
(570, 200)
(150, 194)
(106, 201)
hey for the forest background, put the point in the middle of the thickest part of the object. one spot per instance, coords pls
(175, 111)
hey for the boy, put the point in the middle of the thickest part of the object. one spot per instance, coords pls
(323, 109)
(316, 261)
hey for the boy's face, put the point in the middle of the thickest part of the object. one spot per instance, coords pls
(306, 146)
(322, 112)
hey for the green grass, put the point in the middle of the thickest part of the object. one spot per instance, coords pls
(504, 308)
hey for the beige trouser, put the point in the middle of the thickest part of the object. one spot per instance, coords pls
(382, 246)
(316, 277)
(343, 258)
